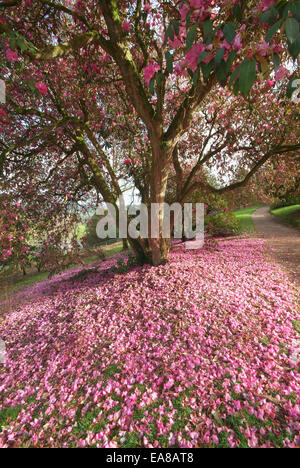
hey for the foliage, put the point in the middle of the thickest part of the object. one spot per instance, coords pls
(91, 237)
(222, 224)
(285, 202)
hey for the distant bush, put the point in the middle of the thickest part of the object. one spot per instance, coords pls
(91, 235)
(222, 224)
(285, 202)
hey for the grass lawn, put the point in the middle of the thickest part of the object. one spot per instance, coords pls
(288, 214)
(245, 218)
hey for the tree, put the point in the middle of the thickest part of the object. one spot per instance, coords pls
(86, 77)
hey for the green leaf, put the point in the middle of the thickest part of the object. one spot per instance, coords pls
(236, 88)
(159, 78)
(230, 60)
(292, 29)
(222, 73)
(237, 12)
(202, 56)
(207, 68)
(247, 76)
(21, 43)
(229, 32)
(12, 43)
(266, 17)
(234, 75)
(191, 36)
(169, 33)
(151, 86)
(207, 29)
(196, 77)
(176, 27)
(273, 29)
(276, 61)
(290, 88)
(188, 19)
(295, 9)
(294, 47)
(169, 61)
(219, 56)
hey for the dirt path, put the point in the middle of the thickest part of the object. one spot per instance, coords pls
(283, 240)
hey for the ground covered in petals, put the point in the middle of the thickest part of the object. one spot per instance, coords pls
(201, 352)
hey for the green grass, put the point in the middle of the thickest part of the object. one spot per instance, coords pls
(287, 215)
(245, 218)
(81, 231)
(7, 289)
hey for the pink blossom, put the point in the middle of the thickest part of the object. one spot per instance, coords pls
(11, 55)
(126, 26)
(193, 54)
(237, 42)
(42, 87)
(281, 73)
(150, 71)
(184, 11)
(196, 4)
(265, 4)
(263, 49)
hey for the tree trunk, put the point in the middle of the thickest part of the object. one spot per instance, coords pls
(155, 249)
(125, 244)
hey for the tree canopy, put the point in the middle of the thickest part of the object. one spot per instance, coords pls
(98, 92)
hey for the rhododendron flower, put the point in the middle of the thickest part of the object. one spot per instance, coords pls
(184, 11)
(127, 161)
(11, 55)
(126, 26)
(196, 4)
(237, 42)
(281, 73)
(193, 54)
(270, 83)
(147, 7)
(265, 4)
(150, 71)
(263, 49)
(3, 114)
(42, 87)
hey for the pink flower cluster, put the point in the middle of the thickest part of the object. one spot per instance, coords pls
(194, 353)
(150, 71)
(42, 88)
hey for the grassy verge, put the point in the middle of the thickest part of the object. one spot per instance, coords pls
(288, 214)
(245, 218)
(17, 283)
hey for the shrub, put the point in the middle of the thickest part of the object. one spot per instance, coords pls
(288, 201)
(222, 224)
(91, 234)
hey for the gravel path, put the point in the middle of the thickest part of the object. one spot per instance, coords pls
(283, 240)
